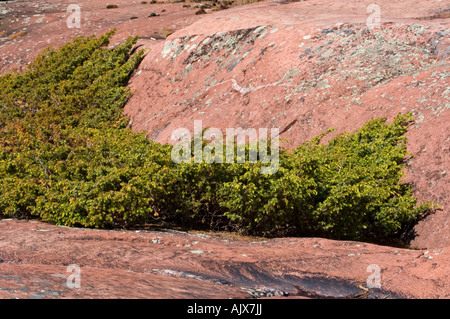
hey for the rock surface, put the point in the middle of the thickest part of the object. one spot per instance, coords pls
(170, 264)
(302, 67)
(44, 23)
(306, 67)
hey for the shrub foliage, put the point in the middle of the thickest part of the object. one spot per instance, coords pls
(68, 157)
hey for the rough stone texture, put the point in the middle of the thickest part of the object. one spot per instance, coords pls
(45, 23)
(170, 264)
(303, 67)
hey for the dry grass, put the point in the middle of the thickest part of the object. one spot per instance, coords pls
(243, 2)
(444, 14)
(165, 32)
(17, 35)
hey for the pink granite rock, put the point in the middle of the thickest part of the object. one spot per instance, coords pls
(35, 258)
(302, 67)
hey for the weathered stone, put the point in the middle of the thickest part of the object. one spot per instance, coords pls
(346, 74)
(302, 67)
(128, 264)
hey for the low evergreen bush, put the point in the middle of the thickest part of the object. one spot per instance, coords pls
(67, 156)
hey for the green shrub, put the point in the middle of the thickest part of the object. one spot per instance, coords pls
(68, 157)
(349, 188)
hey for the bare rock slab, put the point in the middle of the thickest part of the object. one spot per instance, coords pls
(172, 264)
